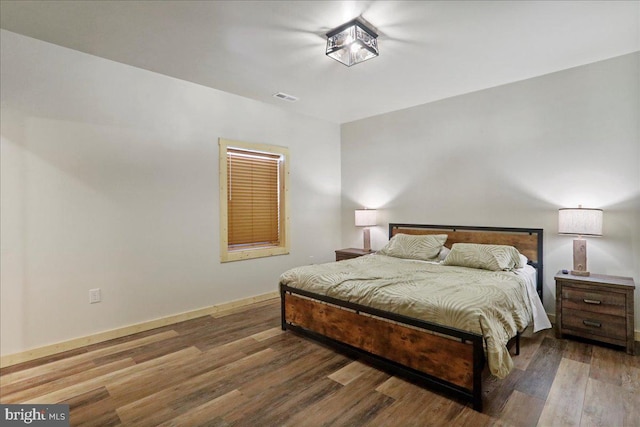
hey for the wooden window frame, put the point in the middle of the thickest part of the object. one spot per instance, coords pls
(251, 252)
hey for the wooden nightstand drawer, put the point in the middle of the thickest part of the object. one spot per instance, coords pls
(588, 323)
(594, 301)
(597, 307)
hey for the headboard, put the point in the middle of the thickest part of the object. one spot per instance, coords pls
(528, 241)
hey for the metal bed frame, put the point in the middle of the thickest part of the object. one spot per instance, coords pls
(444, 358)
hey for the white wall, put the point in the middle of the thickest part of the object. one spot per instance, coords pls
(110, 180)
(510, 156)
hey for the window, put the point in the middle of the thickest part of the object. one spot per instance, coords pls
(254, 183)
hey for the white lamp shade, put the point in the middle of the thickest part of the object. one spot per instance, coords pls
(365, 217)
(580, 221)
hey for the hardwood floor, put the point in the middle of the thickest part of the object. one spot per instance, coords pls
(239, 368)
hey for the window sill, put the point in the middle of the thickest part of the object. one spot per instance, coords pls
(239, 255)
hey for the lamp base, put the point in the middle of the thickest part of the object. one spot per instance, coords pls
(367, 239)
(580, 258)
(580, 273)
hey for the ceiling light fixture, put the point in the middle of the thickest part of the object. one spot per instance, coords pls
(352, 43)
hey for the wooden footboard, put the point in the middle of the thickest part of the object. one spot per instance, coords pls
(447, 358)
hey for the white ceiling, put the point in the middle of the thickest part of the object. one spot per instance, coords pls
(429, 50)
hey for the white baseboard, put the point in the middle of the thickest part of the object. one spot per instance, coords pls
(48, 350)
(552, 318)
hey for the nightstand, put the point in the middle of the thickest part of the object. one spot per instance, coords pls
(351, 253)
(596, 307)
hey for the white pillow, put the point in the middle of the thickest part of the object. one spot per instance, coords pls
(523, 261)
(443, 253)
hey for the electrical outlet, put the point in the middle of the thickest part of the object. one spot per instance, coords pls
(95, 296)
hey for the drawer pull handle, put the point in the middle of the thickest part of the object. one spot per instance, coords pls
(592, 301)
(592, 323)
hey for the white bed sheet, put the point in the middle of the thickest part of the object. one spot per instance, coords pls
(540, 318)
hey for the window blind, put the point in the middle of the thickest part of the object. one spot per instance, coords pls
(253, 198)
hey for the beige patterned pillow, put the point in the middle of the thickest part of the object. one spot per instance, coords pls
(486, 257)
(424, 247)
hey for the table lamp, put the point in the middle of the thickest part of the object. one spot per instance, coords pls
(366, 218)
(580, 222)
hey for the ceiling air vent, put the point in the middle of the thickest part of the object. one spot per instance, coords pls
(285, 97)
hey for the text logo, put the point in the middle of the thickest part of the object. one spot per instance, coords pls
(34, 415)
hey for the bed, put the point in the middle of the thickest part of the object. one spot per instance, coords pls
(419, 318)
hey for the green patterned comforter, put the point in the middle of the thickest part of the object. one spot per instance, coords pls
(493, 304)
